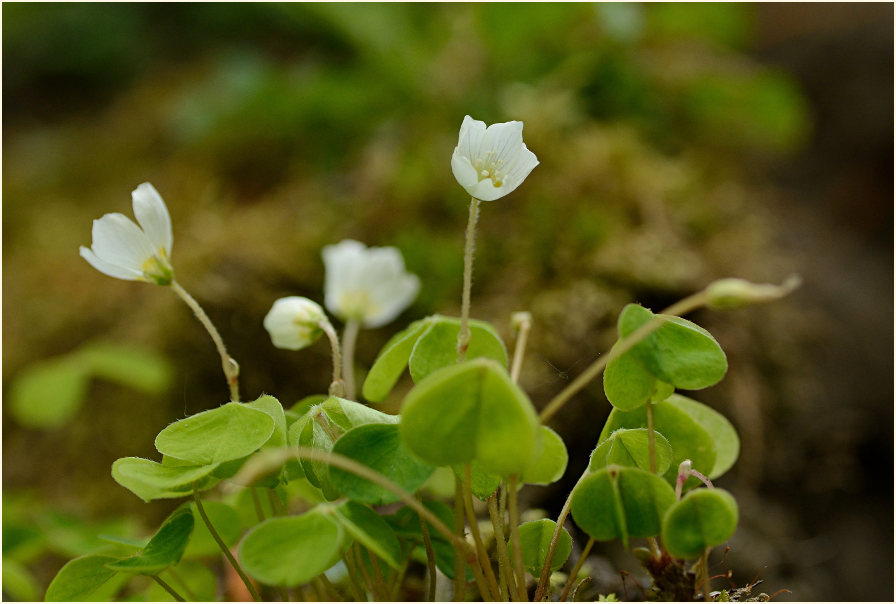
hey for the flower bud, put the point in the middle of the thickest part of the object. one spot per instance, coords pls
(294, 322)
(734, 293)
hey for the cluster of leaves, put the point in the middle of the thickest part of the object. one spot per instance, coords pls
(469, 417)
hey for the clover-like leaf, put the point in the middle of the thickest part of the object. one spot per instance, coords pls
(629, 447)
(150, 480)
(164, 549)
(703, 518)
(80, 578)
(550, 462)
(290, 551)
(379, 447)
(229, 432)
(371, 530)
(535, 539)
(437, 346)
(467, 411)
(723, 434)
(392, 360)
(620, 502)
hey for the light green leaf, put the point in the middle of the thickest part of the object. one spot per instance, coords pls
(392, 360)
(703, 518)
(18, 582)
(80, 578)
(437, 346)
(149, 480)
(550, 463)
(379, 447)
(619, 502)
(482, 482)
(291, 551)
(370, 530)
(140, 369)
(229, 432)
(348, 414)
(535, 539)
(467, 411)
(227, 523)
(629, 447)
(164, 549)
(723, 434)
(272, 407)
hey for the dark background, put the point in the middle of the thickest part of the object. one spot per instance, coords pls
(678, 144)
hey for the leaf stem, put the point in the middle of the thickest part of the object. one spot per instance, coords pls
(555, 538)
(460, 569)
(575, 571)
(169, 589)
(515, 538)
(463, 336)
(523, 322)
(681, 307)
(337, 387)
(505, 571)
(430, 561)
(228, 364)
(226, 550)
(477, 537)
(349, 337)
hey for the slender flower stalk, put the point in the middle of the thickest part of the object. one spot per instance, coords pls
(349, 337)
(463, 336)
(522, 322)
(228, 364)
(337, 386)
(168, 588)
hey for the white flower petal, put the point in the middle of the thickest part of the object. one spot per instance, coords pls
(107, 268)
(470, 137)
(152, 214)
(343, 263)
(464, 172)
(503, 139)
(117, 240)
(403, 292)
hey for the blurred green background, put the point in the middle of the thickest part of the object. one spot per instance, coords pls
(678, 143)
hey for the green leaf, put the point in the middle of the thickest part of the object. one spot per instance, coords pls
(140, 369)
(149, 480)
(467, 411)
(80, 578)
(291, 551)
(371, 530)
(482, 482)
(348, 414)
(18, 582)
(679, 352)
(627, 383)
(406, 523)
(201, 581)
(227, 523)
(629, 447)
(164, 549)
(379, 447)
(272, 407)
(437, 347)
(48, 394)
(308, 432)
(391, 361)
(723, 434)
(689, 439)
(535, 539)
(703, 518)
(229, 432)
(550, 463)
(621, 502)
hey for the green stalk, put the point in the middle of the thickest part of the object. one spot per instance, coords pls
(226, 550)
(624, 345)
(555, 538)
(575, 571)
(228, 364)
(505, 572)
(463, 336)
(169, 589)
(430, 562)
(459, 567)
(515, 539)
(349, 337)
(337, 386)
(477, 537)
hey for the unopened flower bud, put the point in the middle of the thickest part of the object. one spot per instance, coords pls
(734, 293)
(294, 322)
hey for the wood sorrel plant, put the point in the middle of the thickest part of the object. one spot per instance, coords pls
(338, 491)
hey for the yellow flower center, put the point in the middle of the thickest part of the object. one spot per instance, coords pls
(489, 167)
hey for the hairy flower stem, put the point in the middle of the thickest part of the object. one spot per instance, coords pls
(224, 549)
(430, 562)
(349, 337)
(519, 350)
(228, 364)
(575, 571)
(168, 588)
(463, 336)
(337, 386)
(681, 307)
(495, 592)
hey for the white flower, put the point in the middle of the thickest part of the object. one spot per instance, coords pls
(369, 285)
(294, 322)
(123, 250)
(491, 162)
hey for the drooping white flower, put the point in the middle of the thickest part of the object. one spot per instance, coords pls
(123, 250)
(369, 285)
(491, 162)
(294, 322)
